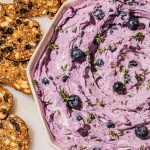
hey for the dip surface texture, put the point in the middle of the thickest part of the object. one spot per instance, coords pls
(93, 80)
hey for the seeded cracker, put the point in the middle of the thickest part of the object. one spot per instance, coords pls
(19, 39)
(6, 99)
(33, 8)
(14, 134)
(14, 74)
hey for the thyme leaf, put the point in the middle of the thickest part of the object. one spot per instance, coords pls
(100, 51)
(90, 118)
(115, 135)
(139, 77)
(101, 103)
(64, 95)
(83, 148)
(87, 52)
(139, 36)
(34, 82)
(64, 67)
(148, 84)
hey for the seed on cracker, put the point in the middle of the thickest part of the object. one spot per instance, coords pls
(14, 134)
(34, 8)
(14, 74)
(6, 99)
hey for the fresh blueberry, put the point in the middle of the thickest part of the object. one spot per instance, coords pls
(78, 118)
(119, 88)
(65, 78)
(77, 54)
(133, 24)
(98, 14)
(74, 102)
(110, 125)
(127, 78)
(45, 81)
(99, 63)
(141, 131)
(133, 63)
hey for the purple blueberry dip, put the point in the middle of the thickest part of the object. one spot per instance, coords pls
(93, 80)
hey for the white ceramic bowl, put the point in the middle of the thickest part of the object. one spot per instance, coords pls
(35, 59)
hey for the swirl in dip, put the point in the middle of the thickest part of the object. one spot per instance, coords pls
(93, 80)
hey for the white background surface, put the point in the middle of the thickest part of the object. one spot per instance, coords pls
(25, 107)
